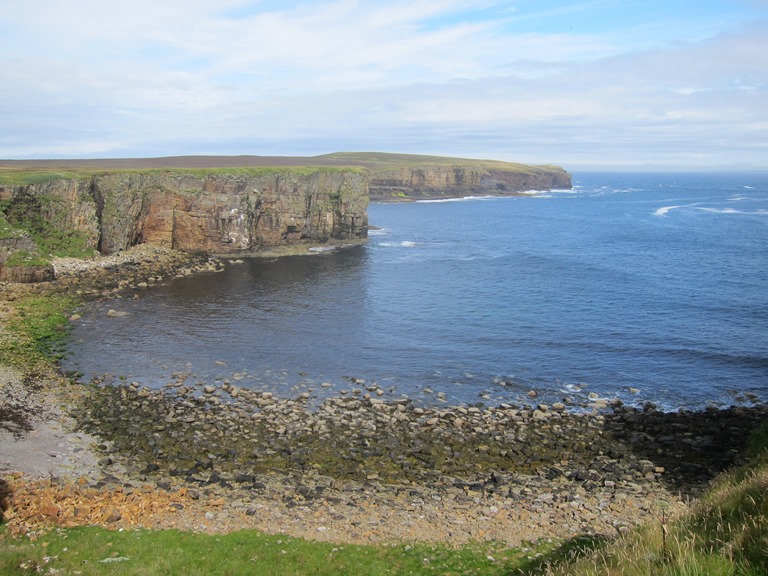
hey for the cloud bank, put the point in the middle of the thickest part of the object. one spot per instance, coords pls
(592, 84)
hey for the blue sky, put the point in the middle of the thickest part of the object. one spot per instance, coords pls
(587, 84)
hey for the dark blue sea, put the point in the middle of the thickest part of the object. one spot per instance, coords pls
(641, 287)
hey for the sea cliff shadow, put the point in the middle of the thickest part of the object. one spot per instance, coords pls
(685, 450)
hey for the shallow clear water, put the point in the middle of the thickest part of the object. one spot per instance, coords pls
(654, 282)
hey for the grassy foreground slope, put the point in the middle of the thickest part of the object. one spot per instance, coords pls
(725, 533)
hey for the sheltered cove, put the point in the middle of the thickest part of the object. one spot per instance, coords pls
(361, 467)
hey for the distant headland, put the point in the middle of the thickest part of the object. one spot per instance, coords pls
(392, 177)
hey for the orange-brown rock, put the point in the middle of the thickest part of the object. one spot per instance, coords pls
(212, 211)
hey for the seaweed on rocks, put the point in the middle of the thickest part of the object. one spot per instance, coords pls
(207, 437)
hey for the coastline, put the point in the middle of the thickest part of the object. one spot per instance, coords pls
(354, 469)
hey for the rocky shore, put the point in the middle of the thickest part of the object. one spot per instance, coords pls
(360, 467)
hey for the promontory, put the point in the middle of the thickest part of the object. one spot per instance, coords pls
(224, 204)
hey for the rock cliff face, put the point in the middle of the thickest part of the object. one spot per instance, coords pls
(435, 181)
(227, 214)
(247, 203)
(221, 212)
(13, 251)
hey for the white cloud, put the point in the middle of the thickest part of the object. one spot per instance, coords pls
(198, 76)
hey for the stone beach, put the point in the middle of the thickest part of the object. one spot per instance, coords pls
(363, 466)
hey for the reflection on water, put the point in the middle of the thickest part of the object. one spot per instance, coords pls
(605, 291)
(269, 319)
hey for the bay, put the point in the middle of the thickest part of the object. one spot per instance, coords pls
(642, 287)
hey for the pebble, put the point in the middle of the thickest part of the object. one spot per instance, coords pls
(520, 457)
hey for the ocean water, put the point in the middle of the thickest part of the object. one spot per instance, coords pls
(642, 287)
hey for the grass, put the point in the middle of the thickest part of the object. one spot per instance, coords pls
(95, 551)
(725, 533)
(26, 258)
(35, 333)
(269, 170)
(8, 231)
(379, 162)
(30, 176)
(338, 161)
(37, 216)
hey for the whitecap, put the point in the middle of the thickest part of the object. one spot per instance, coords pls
(760, 212)
(440, 200)
(462, 199)
(548, 193)
(721, 210)
(404, 243)
(377, 232)
(663, 211)
(572, 387)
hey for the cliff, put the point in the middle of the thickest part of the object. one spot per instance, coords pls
(20, 258)
(227, 211)
(392, 177)
(436, 181)
(404, 177)
(225, 205)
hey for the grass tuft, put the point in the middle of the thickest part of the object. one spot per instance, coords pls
(724, 533)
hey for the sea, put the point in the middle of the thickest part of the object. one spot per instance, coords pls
(638, 287)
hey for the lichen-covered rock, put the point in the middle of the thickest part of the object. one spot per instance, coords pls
(26, 274)
(20, 259)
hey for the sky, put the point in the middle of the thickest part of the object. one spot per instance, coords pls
(590, 84)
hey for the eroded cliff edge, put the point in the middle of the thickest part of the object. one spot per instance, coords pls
(436, 181)
(408, 177)
(224, 204)
(217, 211)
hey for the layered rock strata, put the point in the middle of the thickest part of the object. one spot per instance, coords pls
(14, 251)
(215, 212)
(436, 181)
(229, 205)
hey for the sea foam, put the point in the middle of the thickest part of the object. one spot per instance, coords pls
(663, 211)
(462, 199)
